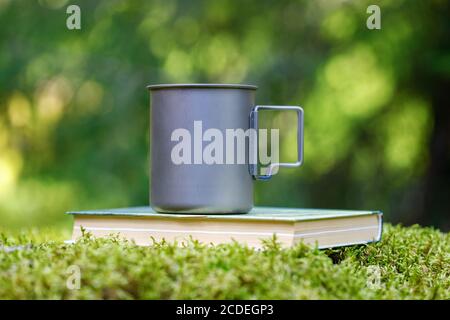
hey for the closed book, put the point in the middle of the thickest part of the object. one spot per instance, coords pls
(318, 227)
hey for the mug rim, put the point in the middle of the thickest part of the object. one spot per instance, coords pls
(201, 85)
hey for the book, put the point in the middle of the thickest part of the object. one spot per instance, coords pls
(317, 227)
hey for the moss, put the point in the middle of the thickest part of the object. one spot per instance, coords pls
(409, 263)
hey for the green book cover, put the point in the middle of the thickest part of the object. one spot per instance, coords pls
(257, 213)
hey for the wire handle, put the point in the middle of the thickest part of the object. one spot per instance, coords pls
(253, 165)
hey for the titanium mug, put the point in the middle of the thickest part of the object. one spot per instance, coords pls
(181, 181)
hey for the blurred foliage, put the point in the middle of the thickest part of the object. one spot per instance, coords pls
(74, 109)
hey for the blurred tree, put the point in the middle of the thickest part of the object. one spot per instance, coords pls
(74, 109)
(432, 79)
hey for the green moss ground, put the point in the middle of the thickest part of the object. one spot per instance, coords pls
(410, 263)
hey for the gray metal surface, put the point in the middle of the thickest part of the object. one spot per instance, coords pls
(198, 188)
(202, 85)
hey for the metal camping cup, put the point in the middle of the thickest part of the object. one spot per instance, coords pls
(198, 187)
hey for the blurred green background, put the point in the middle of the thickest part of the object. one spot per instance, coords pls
(74, 109)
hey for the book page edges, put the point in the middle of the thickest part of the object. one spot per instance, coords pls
(343, 232)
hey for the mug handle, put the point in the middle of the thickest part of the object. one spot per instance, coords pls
(253, 165)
